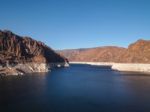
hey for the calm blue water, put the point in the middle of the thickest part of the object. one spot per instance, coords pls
(80, 88)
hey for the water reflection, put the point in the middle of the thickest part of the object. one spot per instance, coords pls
(16, 89)
(80, 88)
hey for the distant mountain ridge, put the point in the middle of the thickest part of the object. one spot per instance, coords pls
(138, 52)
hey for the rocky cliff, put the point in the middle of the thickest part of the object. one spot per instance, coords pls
(138, 52)
(16, 50)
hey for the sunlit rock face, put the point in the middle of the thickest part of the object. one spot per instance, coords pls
(20, 51)
(138, 52)
(99, 54)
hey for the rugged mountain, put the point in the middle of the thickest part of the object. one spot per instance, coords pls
(20, 55)
(17, 49)
(138, 52)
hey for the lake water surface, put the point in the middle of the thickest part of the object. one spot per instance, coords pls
(79, 88)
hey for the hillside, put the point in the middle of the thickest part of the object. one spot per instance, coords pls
(17, 49)
(138, 52)
(20, 55)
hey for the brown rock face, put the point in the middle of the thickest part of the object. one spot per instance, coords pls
(16, 49)
(99, 54)
(138, 52)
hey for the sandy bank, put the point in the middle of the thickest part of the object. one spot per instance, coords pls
(125, 67)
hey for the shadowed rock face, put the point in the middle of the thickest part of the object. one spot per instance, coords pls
(138, 52)
(17, 49)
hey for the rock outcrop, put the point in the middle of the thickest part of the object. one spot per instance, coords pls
(138, 52)
(17, 51)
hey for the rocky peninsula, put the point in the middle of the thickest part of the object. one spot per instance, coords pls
(20, 55)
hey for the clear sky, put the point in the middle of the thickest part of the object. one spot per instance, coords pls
(64, 24)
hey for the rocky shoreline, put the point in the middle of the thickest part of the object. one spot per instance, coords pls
(124, 67)
(21, 69)
(132, 67)
(21, 55)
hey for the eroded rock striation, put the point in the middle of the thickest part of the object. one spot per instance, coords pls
(26, 55)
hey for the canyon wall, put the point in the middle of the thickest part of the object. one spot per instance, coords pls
(26, 55)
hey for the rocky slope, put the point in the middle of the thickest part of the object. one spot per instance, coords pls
(99, 54)
(138, 52)
(16, 50)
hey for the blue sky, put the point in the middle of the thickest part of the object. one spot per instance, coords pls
(64, 24)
